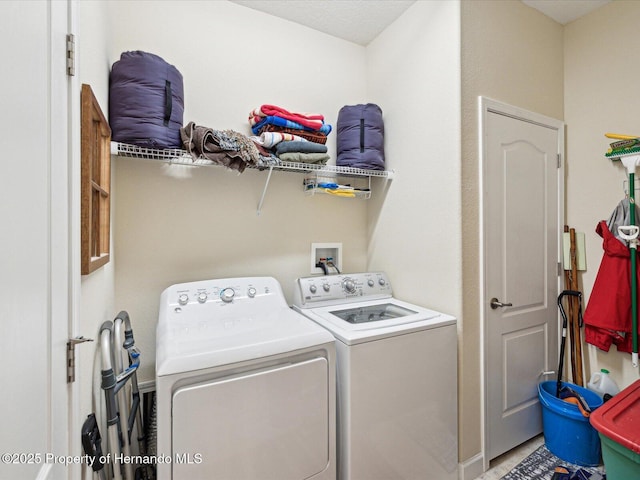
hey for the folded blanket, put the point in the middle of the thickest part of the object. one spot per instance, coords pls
(298, 157)
(303, 147)
(271, 139)
(310, 120)
(315, 137)
(229, 148)
(267, 159)
(283, 122)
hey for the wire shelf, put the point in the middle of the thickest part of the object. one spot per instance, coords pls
(182, 157)
(170, 155)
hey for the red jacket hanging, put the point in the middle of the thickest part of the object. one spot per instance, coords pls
(607, 317)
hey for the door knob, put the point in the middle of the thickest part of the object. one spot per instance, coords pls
(495, 303)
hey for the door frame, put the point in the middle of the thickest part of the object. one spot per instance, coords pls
(64, 242)
(486, 106)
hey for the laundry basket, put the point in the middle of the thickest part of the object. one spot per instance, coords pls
(567, 433)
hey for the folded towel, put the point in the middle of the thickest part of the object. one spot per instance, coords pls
(283, 122)
(303, 147)
(229, 148)
(271, 139)
(315, 137)
(304, 157)
(267, 159)
(310, 120)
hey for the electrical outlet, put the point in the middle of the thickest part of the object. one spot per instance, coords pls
(322, 252)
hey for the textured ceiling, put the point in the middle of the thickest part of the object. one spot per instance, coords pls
(360, 21)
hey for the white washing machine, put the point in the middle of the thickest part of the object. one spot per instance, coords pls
(245, 386)
(396, 378)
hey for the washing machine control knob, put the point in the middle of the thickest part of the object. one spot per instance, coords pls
(183, 299)
(326, 287)
(251, 292)
(227, 295)
(202, 297)
(349, 285)
(370, 282)
(382, 282)
(313, 289)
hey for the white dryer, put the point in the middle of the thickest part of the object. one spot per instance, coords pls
(245, 386)
(396, 378)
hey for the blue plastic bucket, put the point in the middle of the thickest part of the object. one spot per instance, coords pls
(567, 433)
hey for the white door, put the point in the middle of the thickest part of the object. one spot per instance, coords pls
(34, 243)
(521, 197)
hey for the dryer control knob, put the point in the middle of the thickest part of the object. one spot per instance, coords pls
(326, 287)
(183, 299)
(251, 292)
(313, 289)
(227, 295)
(382, 282)
(202, 297)
(349, 285)
(370, 282)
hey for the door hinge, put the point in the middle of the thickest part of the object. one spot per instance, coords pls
(559, 160)
(71, 356)
(71, 55)
(560, 269)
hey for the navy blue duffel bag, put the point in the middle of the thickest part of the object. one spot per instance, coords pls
(146, 101)
(360, 137)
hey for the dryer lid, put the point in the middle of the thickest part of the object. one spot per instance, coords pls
(213, 342)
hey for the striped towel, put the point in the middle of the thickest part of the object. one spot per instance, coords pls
(313, 121)
(271, 139)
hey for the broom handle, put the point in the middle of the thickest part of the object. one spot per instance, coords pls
(568, 285)
(576, 343)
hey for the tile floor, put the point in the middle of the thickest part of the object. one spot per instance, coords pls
(502, 465)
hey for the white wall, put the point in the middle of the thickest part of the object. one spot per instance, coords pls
(96, 289)
(26, 313)
(414, 74)
(169, 230)
(601, 95)
(510, 53)
(414, 229)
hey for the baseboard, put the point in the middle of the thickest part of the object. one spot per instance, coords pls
(471, 468)
(146, 387)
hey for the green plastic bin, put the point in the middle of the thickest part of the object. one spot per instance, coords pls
(618, 425)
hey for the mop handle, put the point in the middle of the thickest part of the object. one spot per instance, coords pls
(633, 244)
(629, 233)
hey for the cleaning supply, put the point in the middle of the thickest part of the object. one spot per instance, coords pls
(567, 432)
(602, 383)
(571, 396)
(631, 159)
(618, 136)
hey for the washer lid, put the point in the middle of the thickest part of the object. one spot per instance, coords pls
(214, 340)
(371, 320)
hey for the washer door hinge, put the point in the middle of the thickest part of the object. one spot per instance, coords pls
(71, 356)
(71, 55)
